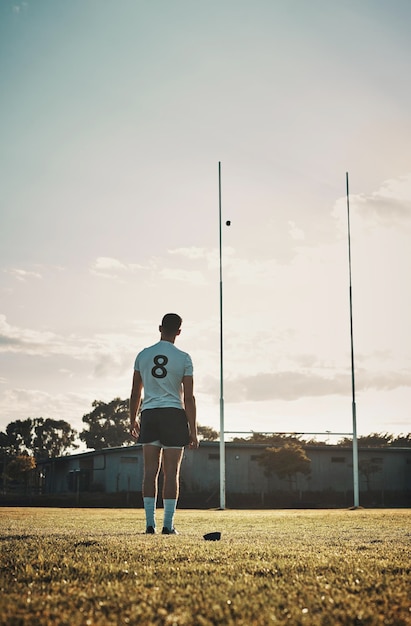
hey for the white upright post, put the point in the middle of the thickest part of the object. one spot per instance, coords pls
(222, 443)
(356, 488)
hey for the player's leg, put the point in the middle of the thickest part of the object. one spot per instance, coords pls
(171, 469)
(152, 463)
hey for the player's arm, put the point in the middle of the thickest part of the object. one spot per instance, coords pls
(135, 402)
(190, 409)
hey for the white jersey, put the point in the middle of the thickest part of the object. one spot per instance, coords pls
(162, 368)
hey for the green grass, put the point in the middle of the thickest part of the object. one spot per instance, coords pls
(95, 567)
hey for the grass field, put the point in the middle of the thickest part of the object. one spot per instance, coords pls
(95, 567)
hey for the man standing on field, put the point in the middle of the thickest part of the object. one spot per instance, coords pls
(168, 418)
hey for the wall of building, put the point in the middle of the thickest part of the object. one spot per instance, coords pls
(120, 470)
(331, 471)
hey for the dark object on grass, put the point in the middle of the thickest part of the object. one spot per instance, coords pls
(212, 536)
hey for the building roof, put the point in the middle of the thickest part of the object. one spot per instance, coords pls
(231, 444)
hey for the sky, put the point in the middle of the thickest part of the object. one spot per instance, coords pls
(114, 117)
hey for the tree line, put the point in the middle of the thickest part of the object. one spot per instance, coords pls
(24, 442)
(374, 440)
(286, 457)
(107, 426)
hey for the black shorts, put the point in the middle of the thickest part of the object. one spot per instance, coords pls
(168, 425)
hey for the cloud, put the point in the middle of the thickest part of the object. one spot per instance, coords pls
(384, 209)
(292, 385)
(255, 272)
(10, 341)
(17, 403)
(295, 232)
(209, 255)
(13, 339)
(98, 350)
(108, 267)
(193, 277)
(285, 386)
(23, 275)
(190, 253)
(390, 205)
(112, 358)
(382, 381)
(66, 372)
(108, 263)
(165, 267)
(19, 7)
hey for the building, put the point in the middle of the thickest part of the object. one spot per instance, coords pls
(385, 477)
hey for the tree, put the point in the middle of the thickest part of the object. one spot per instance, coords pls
(367, 468)
(52, 438)
(19, 470)
(206, 433)
(286, 461)
(108, 425)
(378, 440)
(20, 466)
(314, 442)
(37, 437)
(402, 441)
(375, 440)
(18, 437)
(267, 438)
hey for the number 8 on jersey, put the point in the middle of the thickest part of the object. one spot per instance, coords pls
(159, 370)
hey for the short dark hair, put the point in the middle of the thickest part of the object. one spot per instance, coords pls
(171, 322)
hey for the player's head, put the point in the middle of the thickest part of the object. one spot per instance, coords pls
(170, 324)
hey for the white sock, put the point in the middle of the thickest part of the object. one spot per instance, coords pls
(169, 510)
(150, 509)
